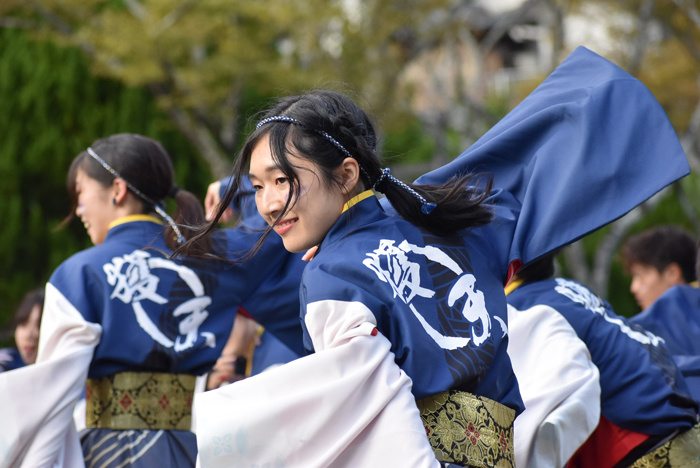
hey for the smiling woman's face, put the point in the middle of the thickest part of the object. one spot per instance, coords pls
(27, 336)
(311, 216)
(95, 207)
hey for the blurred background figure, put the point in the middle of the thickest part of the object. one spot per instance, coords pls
(26, 324)
(675, 317)
(645, 408)
(658, 259)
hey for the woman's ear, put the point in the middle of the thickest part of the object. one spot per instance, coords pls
(349, 175)
(119, 190)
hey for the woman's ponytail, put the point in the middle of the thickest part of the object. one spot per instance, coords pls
(443, 210)
(189, 214)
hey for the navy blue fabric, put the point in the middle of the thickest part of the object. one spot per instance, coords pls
(588, 145)
(340, 272)
(641, 387)
(107, 448)
(10, 359)
(675, 317)
(269, 352)
(187, 346)
(690, 368)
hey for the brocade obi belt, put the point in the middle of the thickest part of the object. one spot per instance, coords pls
(469, 430)
(683, 451)
(140, 400)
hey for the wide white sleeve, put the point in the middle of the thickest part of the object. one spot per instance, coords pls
(36, 401)
(349, 404)
(559, 384)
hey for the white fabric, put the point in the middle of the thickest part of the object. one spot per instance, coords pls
(559, 384)
(36, 401)
(80, 415)
(349, 404)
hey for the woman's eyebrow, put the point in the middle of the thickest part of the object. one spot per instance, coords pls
(268, 169)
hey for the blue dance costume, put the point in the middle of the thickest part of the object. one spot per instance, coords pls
(159, 316)
(675, 317)
(10, 359)
(439, 301)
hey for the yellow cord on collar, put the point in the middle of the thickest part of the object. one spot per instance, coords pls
(357, 199)
(132, 218)
(510, 287)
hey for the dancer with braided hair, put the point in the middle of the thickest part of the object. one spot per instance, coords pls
(403, 303)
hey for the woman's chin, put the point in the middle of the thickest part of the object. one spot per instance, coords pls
(296, 247)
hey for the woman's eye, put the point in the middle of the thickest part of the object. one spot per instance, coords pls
(257, 188)
(282, 180)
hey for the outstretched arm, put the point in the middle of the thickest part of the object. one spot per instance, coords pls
(37, 400)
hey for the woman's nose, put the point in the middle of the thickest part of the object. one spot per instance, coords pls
(273, 203)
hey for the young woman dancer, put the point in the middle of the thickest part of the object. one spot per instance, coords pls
(26, 330)
(411, 307)
(138, 325)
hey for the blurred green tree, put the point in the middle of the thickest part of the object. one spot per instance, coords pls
(52, 108)
(198, 57)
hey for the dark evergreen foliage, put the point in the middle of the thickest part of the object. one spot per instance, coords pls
(51, 109)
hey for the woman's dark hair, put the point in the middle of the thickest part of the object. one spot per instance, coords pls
(659, 247)
(459, 204)
(146, 165)
(30, 300)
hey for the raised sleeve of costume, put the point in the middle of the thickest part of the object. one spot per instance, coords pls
(37, 401)
(559, 384)
(589, 135)
(349, 404)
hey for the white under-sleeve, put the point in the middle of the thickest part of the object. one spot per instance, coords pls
(36, 401)
(349, 404)
(559, 384)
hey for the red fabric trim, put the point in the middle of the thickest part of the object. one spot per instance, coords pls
(513, 268)
(244, 313)
(606, 446)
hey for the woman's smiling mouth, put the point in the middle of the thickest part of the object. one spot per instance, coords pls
(285, 225)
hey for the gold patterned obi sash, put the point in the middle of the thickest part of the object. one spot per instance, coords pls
(140, 400)
(683, 451)
(469, 430)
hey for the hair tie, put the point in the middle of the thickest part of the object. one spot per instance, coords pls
(385, 177)
(157, 206)
(381, 179)
(174, 191)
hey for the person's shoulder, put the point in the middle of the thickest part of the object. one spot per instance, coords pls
(78, 261)
(689, 292)
(10, 359)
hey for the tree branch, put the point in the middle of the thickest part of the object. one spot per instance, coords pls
(503, 25)
(689, 10)
(576, 262)
(17, 23)
(687, 206)
(558, 31)
(55, 21)
(172, 17)
(136, 9)
(640, 44)
(689, 139)
(609, 245)
(201, 138)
